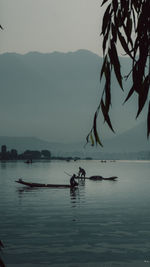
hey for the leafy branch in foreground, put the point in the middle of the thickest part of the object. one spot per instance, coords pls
(126, 22)
(1, 261)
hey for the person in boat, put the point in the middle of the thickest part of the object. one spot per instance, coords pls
(73, 183)
(81, 172)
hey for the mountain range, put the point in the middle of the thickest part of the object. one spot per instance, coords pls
(53, 97)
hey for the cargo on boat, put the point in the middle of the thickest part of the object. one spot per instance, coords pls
(97, 178)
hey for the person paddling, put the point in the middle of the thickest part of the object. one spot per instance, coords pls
(81, 172)
(72, 181)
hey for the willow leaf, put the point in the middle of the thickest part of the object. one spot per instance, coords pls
(143, 95)
(107, 88)
(97, 140)
(106, 116)
(106, 19)
(104, 1)
(87, 138)
(92, 140)
(103, 67)
(148, 121)
(114, 32)
(137, 79)
(124, 44)
(115, 61)
(106, 39)
(2, 263)
(115, 5)
(129, 28)
(129, 94)
(107, 96)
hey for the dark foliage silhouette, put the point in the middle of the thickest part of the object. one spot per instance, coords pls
(126, 22)
(1, 261)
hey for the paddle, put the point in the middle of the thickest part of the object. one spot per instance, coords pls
(67, 173)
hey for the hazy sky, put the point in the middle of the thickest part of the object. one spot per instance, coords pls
(50, 25)
(46, 26)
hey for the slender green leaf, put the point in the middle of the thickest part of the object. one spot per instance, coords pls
(92, 140)
(104, 1)
(129, 94)
(137, 78)
(103, 67)
(116, 64)
(114, 32)
(87, 138)
(106, 19)
(106, 116)
(148, 121)
(124, 44)
(107, 87)
(97, 140)
(127, 29)
(106, 39)
(118, 20)
(115, 5)
(2, 263)
(143, 95)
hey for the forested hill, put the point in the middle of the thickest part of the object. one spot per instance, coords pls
(54, 96)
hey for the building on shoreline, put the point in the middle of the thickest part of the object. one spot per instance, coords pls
(26, 155)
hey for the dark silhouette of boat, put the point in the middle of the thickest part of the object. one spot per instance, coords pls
(28, 161)
(20, 181)
(98, 178)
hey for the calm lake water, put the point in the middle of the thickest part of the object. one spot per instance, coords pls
(102, 223)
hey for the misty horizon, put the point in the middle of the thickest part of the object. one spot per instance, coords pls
(54, 96)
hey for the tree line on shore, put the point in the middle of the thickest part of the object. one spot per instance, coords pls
(26, 155)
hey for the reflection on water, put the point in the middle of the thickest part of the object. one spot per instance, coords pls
(74, 192)
(77, 195)
(100, 223)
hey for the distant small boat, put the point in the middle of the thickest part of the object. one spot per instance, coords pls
(28, 161)
(20, 181)
(98, 178)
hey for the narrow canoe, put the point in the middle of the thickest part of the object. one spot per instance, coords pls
(98, 178)
(43, 185)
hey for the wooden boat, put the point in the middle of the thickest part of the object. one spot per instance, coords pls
(20, 181)
(98, 178)
(28, 162)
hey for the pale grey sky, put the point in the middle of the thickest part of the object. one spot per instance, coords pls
(46, 26)
(50, 25)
